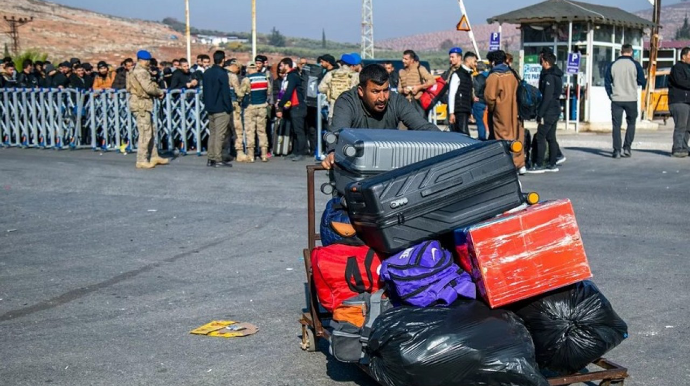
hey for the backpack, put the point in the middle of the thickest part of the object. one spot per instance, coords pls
(341, 81)
(528, 99)
(352, 323)
(335, 225)
(343, 271)
(425, 275)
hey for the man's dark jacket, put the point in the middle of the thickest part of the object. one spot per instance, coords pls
(294, 82)
(217, 90)
(180, 79)
(27, 80)
(551, 87)
(679, 84)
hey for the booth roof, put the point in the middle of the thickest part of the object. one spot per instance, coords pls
(564, 10)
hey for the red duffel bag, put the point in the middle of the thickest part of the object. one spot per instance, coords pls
(343, 271)
(433, 93)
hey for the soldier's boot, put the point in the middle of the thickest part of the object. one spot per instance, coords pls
(264, 154)
(250, 157)
(145, 165)
(241, 157)
(159, 161)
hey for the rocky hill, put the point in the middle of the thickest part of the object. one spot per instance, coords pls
(671, 18)
(65, 32)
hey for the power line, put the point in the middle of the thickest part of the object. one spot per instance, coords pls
(14, 24)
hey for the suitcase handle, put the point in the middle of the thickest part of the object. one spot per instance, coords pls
(442, 186)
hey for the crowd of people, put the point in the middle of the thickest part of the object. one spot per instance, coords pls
(260, 99)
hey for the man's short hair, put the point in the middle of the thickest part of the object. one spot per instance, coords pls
(218, 57)
(469, 54)
(498, 57)
(9, 64)
(127, 61)
(626, 49)
(178, 60)
(7, 59)
(684, 51)
(183, 60)
(286, 61)
(550, 58)
(412, 55)
(206, 57)
(387, 62)
(200, 57)
(374, 73)
(27, 62)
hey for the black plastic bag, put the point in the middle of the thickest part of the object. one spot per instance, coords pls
(467, 344)
(571, 327)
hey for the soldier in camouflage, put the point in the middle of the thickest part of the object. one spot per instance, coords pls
(258, 88)
(142, 90)
(237, 93)
(338, 81)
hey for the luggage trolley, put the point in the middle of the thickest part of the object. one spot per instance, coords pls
(311, 321)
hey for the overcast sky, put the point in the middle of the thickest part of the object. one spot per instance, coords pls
(340, 18)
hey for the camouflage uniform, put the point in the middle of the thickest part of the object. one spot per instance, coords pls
(237, 93)
(337, 82)
(142, 91)
(258, 88)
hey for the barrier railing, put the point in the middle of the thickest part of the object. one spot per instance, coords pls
(98, 119)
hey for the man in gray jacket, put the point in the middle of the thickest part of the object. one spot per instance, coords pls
(371, 105)
(622, 78)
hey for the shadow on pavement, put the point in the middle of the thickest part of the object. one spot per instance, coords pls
(600, 152)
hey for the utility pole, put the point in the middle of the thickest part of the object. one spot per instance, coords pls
(253, 29)
(14, 25)
(653, 52)
(187, 32)
(367, 29)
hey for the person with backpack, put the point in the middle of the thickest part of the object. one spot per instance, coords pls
(551, 87)
(501, 95)
(338, 81)
(479, 106)
(460, 96)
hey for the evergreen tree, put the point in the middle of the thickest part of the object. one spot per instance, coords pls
(276, 39)
(6, 52)
(323, 38)
(683, 33)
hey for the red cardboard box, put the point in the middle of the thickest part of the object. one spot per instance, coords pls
(523, 254)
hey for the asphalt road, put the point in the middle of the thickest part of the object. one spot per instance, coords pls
(104, 269)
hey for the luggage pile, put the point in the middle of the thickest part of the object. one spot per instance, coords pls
(439, 270)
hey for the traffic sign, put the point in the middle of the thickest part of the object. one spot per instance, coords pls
(573, 63)
(463, 24)
(495, 41)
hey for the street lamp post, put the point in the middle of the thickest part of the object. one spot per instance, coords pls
(187, 33)
(253, 29)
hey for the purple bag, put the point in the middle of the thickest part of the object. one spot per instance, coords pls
(425, 275)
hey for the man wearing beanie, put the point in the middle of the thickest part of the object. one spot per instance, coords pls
(104, 77)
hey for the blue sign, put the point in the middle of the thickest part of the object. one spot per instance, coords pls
(495, 41)
(573, 63)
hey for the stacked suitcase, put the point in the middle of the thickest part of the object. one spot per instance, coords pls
(404, 189)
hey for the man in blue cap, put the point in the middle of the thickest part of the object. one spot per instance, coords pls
(338, 81)
(142, 90)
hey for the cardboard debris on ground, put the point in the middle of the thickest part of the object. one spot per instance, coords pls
(226, 329)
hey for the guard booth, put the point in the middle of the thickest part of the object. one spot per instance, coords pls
(594, 32)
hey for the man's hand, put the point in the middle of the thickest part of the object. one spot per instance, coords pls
(279, 114)
(451, 119)
(476, 99)
(329, 161)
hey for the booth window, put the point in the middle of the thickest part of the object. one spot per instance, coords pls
(633, 36)
(603, 33)
(538, 33)
(601, 59)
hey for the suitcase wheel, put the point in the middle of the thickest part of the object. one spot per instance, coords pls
(532, 198)
(327, 188)
(516, 147)
(308, 339)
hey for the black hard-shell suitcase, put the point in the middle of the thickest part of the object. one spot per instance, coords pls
(424, 200)
(361, 153)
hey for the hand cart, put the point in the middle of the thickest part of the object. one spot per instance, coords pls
(312, 320)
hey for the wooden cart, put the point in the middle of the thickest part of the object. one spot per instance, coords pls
(607, 373)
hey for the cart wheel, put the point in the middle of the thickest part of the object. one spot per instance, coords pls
(308, 340)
